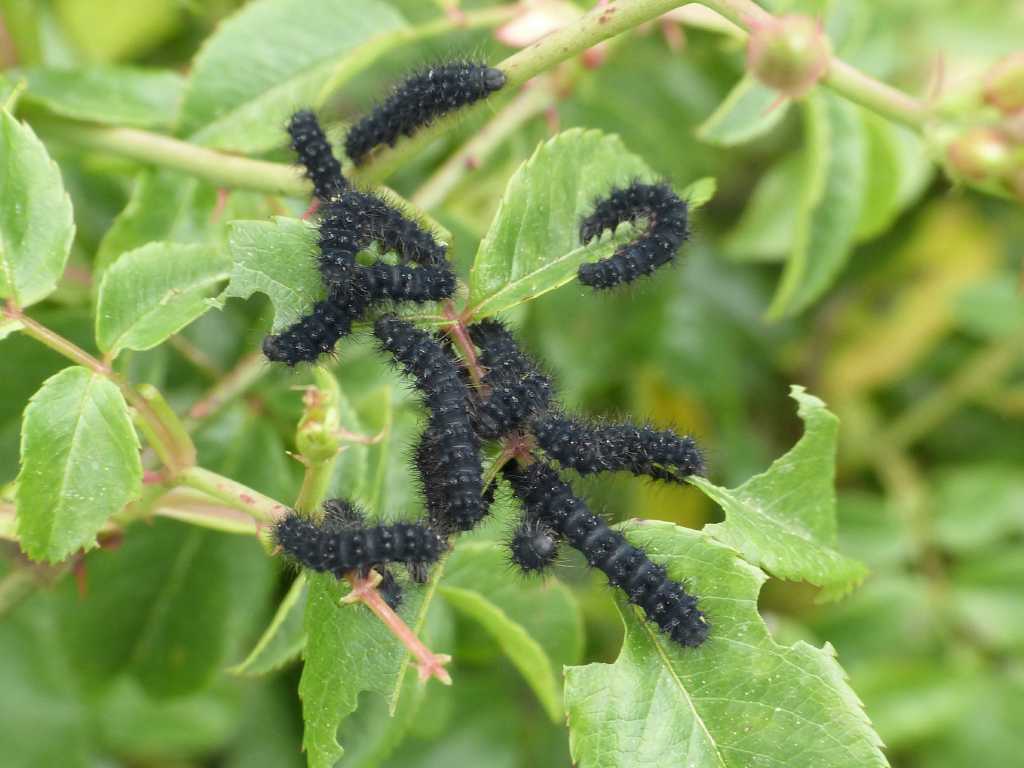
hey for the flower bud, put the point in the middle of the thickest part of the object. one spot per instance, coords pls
(980, 154)
(790, 54)
(1004, 84)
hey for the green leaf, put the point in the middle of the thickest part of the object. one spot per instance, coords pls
(537, 624)
(978, 505)
(748, 112)
(898, 169)
(830, 205)
(784, 520)
(36, 226)
(532, 246)
(109, 30)
(276, 258)
(164, 205)
(191, 595)
(79, 463)
(348, 651)
(283, 639)
(765, 229)
(154, 291)
(125, 96)
(740, 699)
(240, 94)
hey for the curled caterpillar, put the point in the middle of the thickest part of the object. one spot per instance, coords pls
(450, 460)
(533, 546)
(343, 543)
(355, 220)
(419, 100)
(665, 602)
(350, 222)
(517, 389)
(667, 229)
(314, 153)
(641, 450)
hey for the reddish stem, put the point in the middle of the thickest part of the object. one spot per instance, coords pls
(428, 663)
(459, 334)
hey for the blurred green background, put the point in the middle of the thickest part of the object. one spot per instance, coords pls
(918, 347)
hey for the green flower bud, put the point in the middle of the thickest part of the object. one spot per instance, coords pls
(790, 54)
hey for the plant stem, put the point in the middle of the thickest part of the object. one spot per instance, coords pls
(233, 494)
(532, 101)
(430, 664)
(460, 336)
(247, 372)
(162, 437)
(601, 23)
(55, 341)
(218, 168)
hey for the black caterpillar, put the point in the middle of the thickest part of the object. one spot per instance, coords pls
(350, 222)
(343, 543)
(666, 602)
(667, 230)
(449, 456)
(641, 450)
(314, 152)
(419, 100)
(518, 389)
(514, 399)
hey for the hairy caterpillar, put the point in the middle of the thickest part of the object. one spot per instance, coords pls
(351, 221)
(451, 456)
(667, 229)
(311, 336)
(420, 99)
(331, 320)
(518, 389)
(641, 450)
(355, 220)
(314, 152)
(665, 602)
(343, 543)
(533, 546)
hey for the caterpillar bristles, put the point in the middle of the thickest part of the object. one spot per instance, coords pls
(666, 603)
(667, 229)
(419, 100)
(342, 543)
